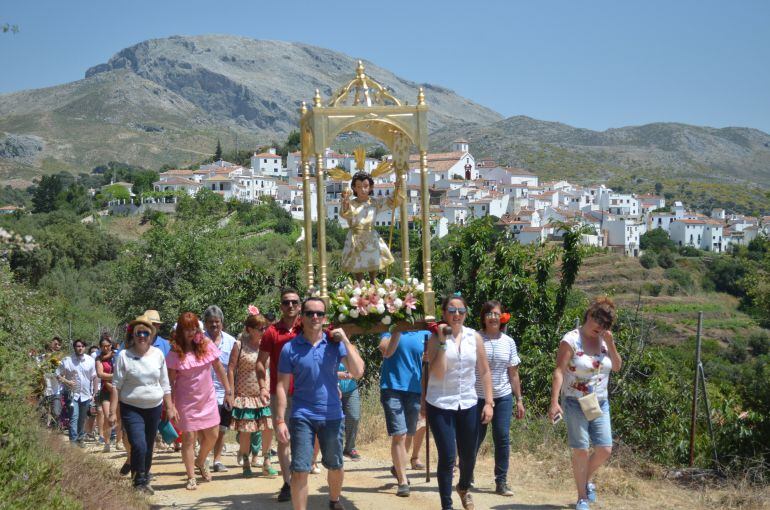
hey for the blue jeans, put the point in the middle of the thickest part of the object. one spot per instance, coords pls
(141, 427)
(582, 433)
(351, 406)
(402, 410)
(501, 434)
(78, 415)
(455, 433)
(303, 432)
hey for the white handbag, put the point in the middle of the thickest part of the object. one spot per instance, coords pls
(590, 406)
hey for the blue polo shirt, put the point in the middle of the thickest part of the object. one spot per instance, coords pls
(403, 370)
(162, 344)
(314, 368)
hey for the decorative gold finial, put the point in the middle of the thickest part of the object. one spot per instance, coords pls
(360, 155)
(421, 97)
(303, 108)
(317, 99)
(360, 70)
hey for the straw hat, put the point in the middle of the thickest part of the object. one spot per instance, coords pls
(144, 321)
(153, 316)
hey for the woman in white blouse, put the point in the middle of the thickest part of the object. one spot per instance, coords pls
(455, 356)
(139, 386)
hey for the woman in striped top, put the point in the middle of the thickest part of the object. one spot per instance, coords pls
(504, 369)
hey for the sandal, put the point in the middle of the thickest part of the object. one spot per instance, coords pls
(247, 473)
(192, 484)
(416, 464)
(267, 469)
(204, 471)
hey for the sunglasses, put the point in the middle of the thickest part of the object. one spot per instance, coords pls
(144, 334)
(451, 310)
(290, 302)
(492, 315)
(314, 313)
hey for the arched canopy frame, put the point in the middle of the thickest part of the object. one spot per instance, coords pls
(364, 105)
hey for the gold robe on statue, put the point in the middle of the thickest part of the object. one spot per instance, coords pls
(364, 250)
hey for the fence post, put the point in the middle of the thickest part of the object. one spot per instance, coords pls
(695, 389)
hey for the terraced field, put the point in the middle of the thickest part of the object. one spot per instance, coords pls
(674, 310)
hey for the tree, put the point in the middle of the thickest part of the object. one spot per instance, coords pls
(45, 193)
(656, 239)
(218, 151)
(377, 152)
(658, 188)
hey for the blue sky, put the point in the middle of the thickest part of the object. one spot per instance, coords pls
(593, 64)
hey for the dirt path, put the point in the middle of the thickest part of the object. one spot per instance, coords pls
(368, 485)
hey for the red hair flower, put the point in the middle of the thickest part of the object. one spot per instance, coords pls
(505, 317)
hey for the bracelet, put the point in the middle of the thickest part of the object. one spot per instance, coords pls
(442, 346)
(278, 421)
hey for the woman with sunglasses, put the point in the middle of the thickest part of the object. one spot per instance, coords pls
(190, 361)
(251, 410)
(140, 385)
(455, 357)
(504, 370)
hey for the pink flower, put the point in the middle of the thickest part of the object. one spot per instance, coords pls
(253, 310)
(410, 302)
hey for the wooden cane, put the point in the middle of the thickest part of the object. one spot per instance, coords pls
(425, 377)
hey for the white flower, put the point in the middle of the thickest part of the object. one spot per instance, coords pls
(354, 313)
(374, 308)
(393, 294)
(342, 308)
(386, 320)
(341, 317)
(357, 291)
(415, 281)
(381, 308)
(354, 301)
(381, 292)
(388, 282)
(398, 303)
(421, 287)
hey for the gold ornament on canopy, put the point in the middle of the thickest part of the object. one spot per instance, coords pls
(365, 105)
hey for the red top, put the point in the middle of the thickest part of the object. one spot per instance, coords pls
(272, 343)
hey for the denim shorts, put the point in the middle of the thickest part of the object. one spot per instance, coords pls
(303, 431)
(402, 409)
(580, 430)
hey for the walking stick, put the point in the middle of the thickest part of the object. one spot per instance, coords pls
(425, 377)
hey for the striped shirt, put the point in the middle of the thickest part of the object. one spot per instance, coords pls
(501, 354)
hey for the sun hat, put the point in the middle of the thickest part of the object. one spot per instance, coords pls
(153, 316)
(144, 321)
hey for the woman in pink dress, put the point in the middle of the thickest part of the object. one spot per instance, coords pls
(189, 363)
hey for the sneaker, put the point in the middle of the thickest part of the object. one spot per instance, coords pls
(81, 443)
(336, 505)
(403, 490)
(268, 470)
(582, 504)
(352, 454)
(502, 489)
(285, 493)
(591, 492)
(466, 499)
(106, 448)
(219, 467)
(125, 469)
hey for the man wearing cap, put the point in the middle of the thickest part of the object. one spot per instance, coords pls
(213, 324)
(78, 373)
(161, 343)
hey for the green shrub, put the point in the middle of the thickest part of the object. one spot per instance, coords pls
(759, 343)
(666, 259)
(680, 277)
(689, 251)
(652, 289)
(648, 260)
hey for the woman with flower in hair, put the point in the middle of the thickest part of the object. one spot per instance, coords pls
(585, 359)
(251, 410)
(189, 362)
(504, 369)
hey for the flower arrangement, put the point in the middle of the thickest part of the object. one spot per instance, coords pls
(380, 303)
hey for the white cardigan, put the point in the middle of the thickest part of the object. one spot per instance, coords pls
(457, 389)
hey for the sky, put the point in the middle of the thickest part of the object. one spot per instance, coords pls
(592, 64)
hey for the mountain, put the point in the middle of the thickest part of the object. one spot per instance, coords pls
(169, 100)
(553, 149)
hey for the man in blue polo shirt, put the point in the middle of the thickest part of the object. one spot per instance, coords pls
(316, 410)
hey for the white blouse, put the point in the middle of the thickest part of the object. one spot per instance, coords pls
(456, 390)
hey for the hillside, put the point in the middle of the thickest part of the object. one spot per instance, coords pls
(168, 100)
(660, 150)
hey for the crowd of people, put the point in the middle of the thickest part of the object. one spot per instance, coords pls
(294, 379)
